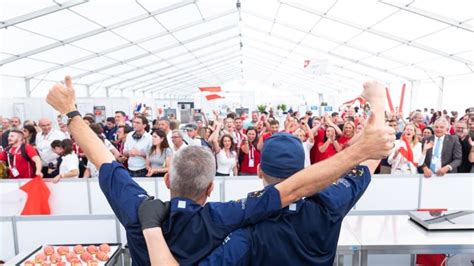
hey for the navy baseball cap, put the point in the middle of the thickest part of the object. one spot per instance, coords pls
(282, 155)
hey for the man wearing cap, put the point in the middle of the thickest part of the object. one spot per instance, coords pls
(191, 138)
(194, 229)
(309, 228)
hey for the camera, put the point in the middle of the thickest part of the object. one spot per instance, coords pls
(51, 166)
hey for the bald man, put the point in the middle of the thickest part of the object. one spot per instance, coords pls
(43, 143)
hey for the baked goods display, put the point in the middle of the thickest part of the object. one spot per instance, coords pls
(76, 255)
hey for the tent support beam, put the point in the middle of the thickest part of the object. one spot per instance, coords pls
(27, 88)
(440, 94)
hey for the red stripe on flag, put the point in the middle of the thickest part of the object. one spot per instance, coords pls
(213, 97)
(408, 152)
(210, 89)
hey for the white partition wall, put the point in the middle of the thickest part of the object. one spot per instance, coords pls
(12, 199)
(99, 204)
(239, 187)
(7, 246)
(451, 192)
(68, 197)
(387, 192)
(36, 230)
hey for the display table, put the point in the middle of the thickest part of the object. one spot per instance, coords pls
(396, 234)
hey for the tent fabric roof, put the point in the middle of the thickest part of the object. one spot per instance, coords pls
(176, 46)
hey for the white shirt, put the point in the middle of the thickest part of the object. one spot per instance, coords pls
(307, 147)
(437, 160)
(43, 145)
(69, 162)
(225, 165)
(400, 165)
(136, 163)
(92, 169)
(180, 147)
(170, 139)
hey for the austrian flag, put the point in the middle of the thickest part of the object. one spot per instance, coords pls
(210, 97)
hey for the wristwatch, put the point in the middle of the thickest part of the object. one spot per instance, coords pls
(66, 119)
(450, 167)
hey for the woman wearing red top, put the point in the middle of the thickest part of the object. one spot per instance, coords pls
(330, 145)
(250, 154)
(348, 132)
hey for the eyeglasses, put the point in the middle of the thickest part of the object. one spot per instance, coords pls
(175, 137)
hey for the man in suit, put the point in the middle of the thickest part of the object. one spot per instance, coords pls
(445, 154)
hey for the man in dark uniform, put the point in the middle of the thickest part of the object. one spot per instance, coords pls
(309, 228)
(194, 230)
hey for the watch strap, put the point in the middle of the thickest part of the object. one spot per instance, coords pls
(71, 115)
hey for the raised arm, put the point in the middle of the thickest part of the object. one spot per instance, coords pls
(375, 143)
(63, 99)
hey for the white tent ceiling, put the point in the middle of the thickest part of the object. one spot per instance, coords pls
(172, 47)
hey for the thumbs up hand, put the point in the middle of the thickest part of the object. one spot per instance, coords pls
(62, 97)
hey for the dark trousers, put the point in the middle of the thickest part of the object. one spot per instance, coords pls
(138, 173)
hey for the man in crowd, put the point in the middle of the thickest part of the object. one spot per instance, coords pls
(137, 146)
(192, 138)
(253, 121)
(464, 141)
(274, 127)
(177, 140)
(191, 182)
(121, 119)
(446, 154)
(13, 123)
(110, 129)
(164, 125)
(43, 143)
(417, 119)
(22, 159)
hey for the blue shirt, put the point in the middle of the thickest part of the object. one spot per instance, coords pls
(110, 134)
(304, 233)
(192, 231)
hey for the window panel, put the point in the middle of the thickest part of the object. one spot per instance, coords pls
(159, 43)
(15, 8)
(409, 54)
(95, 63)
(24, 67)
(350, 53)
(118, 69)
(126, 53)
(446, 66)
(207, 27)
(381, 62)
(455, 9)
(335, 30)
(60, 25)
(268, 8)
(62, 54)
(121, 10)
(450, 40)
(180, 16)
(210, 8)
(17, 41)
(361, 12)
(305, 21)
(279, 30)
(373, 42)
(100, 42)
(140, 29)
(409, 26)
(319, 43)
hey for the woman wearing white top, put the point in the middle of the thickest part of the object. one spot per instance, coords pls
(306, 136)
(226, 157)
(69, 167)
(400, 165)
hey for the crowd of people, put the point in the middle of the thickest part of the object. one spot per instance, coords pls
(428, 142)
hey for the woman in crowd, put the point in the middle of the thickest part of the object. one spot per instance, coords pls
(69, 167)
(90, 169)
(305, 134)
(29, 133)
(226, 157)
(249, 155)
(399, 163)
(122, 132)
(348, 132)
(159, 158)
(204, 133)
(330, 145)
(427, 132)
